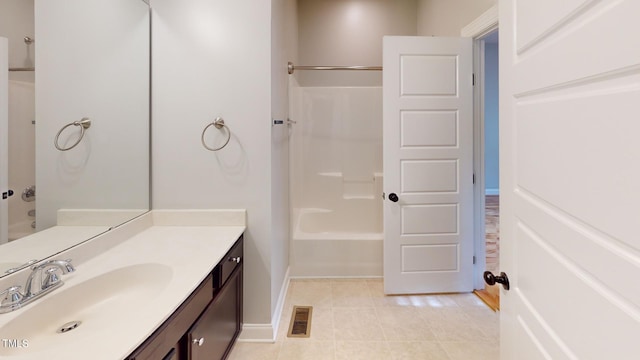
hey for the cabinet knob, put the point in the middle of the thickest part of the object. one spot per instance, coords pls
(198, 342)
(236, 259)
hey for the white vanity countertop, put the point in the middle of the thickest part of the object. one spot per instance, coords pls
(186, 252)
(45, 242)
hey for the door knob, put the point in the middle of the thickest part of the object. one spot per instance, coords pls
(491, 279)
(393, 197)
(198, 342)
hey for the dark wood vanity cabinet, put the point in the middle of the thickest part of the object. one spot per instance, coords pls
(207, 324)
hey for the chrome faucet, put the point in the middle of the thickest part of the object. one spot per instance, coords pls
(43, 279)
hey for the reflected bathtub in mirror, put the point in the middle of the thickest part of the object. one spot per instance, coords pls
(93, 61)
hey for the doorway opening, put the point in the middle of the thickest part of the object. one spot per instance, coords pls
(487, 162)
(491, 152)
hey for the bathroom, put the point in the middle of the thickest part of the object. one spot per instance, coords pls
(229, 59)
(253, 170)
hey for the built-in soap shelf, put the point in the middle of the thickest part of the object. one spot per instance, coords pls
(376, 175)
(357, 189)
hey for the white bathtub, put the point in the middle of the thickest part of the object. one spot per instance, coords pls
(336, 181)
(21, 229)
(336, 243)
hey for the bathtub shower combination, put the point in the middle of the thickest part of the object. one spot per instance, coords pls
(336, 181)
(21, 159)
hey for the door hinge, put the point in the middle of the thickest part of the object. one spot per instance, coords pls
(474, 178)
(474, 259)
(383, 196)
(473, 79)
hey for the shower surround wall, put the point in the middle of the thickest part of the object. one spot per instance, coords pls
(336, 181)
(22, 156)
(336, 145)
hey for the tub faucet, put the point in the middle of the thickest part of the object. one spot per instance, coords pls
(43, 279)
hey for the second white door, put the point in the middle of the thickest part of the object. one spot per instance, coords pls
(428, 165)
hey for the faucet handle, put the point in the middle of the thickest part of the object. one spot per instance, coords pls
(51, 278)
(69, 266)
(11, 297)
(64, 265)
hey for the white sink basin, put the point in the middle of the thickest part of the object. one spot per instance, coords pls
(95, 303)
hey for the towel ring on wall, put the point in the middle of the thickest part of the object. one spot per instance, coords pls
(219, 124)
(84, 124)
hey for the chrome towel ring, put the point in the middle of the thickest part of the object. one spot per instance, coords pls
(219, 124)
(84, 124)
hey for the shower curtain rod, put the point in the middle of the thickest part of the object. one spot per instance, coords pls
(22, 69)
(292, 67)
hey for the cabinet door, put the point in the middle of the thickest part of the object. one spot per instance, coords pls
(213, 334)
(163, 341)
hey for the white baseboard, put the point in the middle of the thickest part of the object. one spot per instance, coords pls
(308, 277)
(277, 313)
(267, 333)
(257, 333)
(492, 191)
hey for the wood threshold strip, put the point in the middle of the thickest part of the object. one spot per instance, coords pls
(492, 301)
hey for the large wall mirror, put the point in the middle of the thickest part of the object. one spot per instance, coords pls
(70, 60)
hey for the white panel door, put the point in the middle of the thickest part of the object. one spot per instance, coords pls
(4, 139)
(427, 156)
(570, 164)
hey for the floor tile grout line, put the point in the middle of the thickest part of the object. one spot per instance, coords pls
(449, 301)
(333, 327)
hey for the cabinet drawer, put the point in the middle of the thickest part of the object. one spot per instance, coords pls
(229, 262)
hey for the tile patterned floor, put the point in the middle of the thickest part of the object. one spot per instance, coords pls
(353, 319)
(492, 231)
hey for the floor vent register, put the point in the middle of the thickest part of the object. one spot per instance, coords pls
(300, 325)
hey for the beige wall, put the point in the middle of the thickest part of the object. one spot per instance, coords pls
(349, 32)
(448, 17)
(16, 22)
